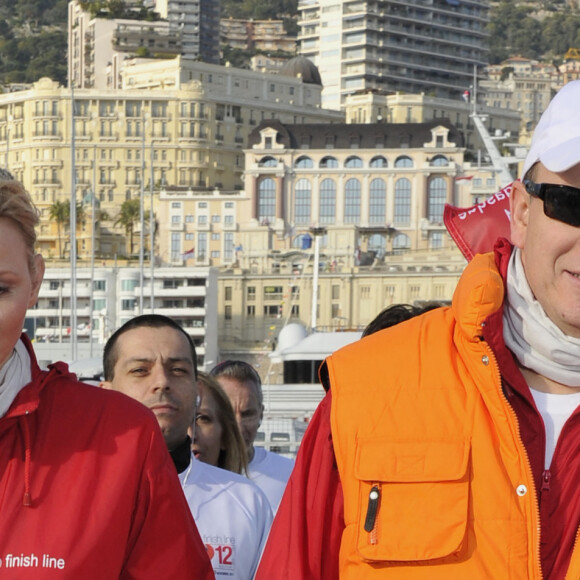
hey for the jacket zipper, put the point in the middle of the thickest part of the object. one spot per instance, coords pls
(492, 358)
(372, 510)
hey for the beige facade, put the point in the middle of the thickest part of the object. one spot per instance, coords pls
(197, 228)
(371, 197)
(527, 89)
(129, 143)
(407, 108)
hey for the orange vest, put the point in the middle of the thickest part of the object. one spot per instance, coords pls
(435, 477)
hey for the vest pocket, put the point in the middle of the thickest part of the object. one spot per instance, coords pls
(413, 499)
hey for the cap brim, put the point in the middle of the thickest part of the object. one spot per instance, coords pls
(563, 156)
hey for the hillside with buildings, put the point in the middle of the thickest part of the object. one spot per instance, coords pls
(33, 32)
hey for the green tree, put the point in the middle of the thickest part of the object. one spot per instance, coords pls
(128, 216)
(59, 212)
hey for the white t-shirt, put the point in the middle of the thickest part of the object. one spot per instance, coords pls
(555, 409)
(232, 515)
(270, 472)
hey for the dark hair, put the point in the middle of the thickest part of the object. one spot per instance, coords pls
(233, 456)
(240, 371)
(395, 314)
(110, 356)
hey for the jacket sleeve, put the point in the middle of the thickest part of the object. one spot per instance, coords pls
(305, 538)
(164, 540)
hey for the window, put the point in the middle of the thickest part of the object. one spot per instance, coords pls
(251, 293)
(228, 312)
(228, 292)
(273, 293)
(401, 242)
(267, 162)
(402, 216)
(228, 246)
(328, 162)
(436, 199)
(378, 161)
(55, 284)
(251, 311)
(352, 201)
(377, 202)
(403, 162)
(303, 202)
(303, 163)
(99, 304)
(129, 285)
(128, 304)
(267, 199)
(439, 161)
(335, 292)
(377, 243)
(436, 240)
(353, 162)
(365, 292)
(327, 201)
(201, 245)
(271, 311)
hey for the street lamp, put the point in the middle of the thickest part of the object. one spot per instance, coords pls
(316, 233)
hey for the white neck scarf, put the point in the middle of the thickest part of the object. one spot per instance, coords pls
(535, 340)
(13, 376)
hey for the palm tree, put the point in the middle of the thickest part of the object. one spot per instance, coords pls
(59, 212)
(128, 216)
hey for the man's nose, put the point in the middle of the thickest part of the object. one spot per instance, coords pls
(160, 379)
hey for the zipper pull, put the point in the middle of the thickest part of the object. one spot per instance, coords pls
(374, 497)
(546, 475)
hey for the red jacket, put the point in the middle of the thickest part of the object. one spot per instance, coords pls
(87, 488)
(306, 535)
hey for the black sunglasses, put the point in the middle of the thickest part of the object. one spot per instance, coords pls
(561, 202)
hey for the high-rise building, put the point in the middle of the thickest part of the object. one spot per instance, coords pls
(411, 46)
(98, 44)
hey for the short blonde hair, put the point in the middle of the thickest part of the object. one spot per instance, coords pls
(233, 455)
(16, 204)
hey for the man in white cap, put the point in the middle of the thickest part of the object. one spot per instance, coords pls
(449, 445)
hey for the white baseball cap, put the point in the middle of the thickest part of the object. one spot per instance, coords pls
(556, 140)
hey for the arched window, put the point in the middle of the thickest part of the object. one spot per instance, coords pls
(303, 163)
(352, 201)
(267, 162)
(439, 161)
(378, 161)
(302, 242)
(328, 162)
(353, 162)
(401, 242)
(402, 213)
(377, 243)
(302, 202)
(437, 196)
(403, 161)
(377, 201)
(327, 201)
(267, 199)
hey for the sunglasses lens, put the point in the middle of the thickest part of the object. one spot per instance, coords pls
(562, 203)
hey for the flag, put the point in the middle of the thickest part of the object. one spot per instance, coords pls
(239, 248)
(464, 178)
(188, 254)
(466, 96)
(475, 229)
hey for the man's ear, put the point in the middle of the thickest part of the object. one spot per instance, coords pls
(106, 385)
(520, 201)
